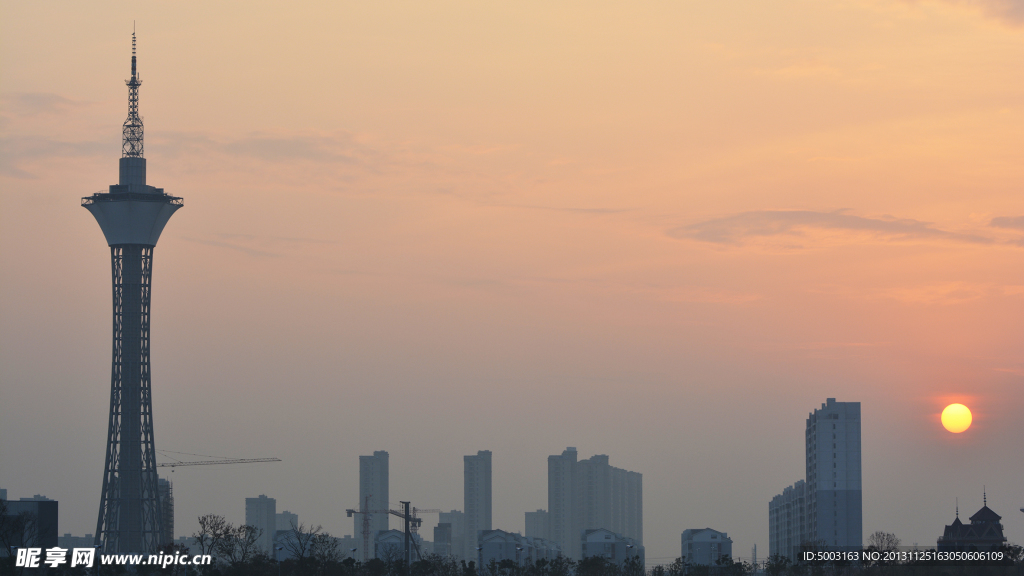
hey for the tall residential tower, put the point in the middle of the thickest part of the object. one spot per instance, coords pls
(261, 512)
(826, 509)
(477, 498)
(373, 498)
(132, 215)
(591, 494)
(833, 474)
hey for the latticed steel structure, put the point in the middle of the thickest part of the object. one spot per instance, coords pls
(132, 215)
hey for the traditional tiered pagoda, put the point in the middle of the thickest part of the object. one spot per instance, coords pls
(983, 533)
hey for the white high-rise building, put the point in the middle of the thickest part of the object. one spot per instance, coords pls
(589, 495)
(787, 521)
(261, 512)
(477, 497)
(834, 475)
(826, 508)
(373, 494)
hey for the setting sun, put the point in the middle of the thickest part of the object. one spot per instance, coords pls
(956, 418)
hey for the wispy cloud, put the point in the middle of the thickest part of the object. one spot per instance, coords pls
(1010, 223)
(232, 246)
(37, 103)
(1009, 11)
(340, 147)
(931, 294)
(1016, 222)
(258, 246)
(576, 210)
(801, 224)
(18, 151)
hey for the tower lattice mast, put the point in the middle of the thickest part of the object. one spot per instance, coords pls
(131, 141)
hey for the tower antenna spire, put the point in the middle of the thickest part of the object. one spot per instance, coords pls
(131, 135)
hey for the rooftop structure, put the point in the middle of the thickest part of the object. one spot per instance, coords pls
(985, 532)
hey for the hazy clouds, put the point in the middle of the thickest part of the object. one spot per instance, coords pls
(801, 224)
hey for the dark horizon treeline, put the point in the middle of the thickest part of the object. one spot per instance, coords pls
(314, 552)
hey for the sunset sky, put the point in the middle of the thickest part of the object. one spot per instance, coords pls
(662, 231)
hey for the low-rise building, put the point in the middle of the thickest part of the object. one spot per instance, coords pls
(498, 545)
(389, 545)
(34, 521)
(705, 547)
(613, 547)
(71, 542)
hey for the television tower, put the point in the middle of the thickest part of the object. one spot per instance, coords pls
(132, 215)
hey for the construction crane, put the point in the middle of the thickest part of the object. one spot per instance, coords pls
(417, 511)
(225, 461)
(412, 524)
(216, 460)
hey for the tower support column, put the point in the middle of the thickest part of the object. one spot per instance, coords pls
(130, 512)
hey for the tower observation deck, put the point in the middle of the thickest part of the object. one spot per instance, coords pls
(132, 215)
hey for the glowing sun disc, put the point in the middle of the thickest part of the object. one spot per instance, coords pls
(956, 418)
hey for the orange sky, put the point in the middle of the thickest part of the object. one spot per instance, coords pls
(662, 232)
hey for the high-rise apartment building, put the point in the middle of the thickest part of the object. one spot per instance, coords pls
(826, 508)
(477, 497)
(165, 489)
(261, 512)
(537, 524)
(287, 520)
(564, 523)
(834, 475)
(787, 521)
(456, 520)
(443, 540)
(373, 495)
(591, 494)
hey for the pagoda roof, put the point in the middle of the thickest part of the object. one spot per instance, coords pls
(985, 515)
